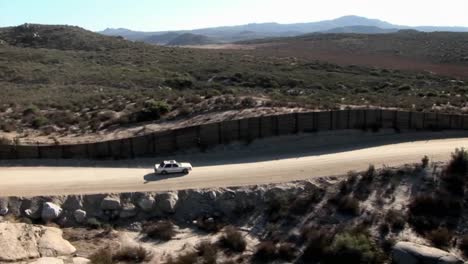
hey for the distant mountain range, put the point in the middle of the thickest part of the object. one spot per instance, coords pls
(229, 34)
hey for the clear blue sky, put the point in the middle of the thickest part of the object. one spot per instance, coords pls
(155, 15)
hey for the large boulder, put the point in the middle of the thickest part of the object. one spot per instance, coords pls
(47, 260)
(80, 260)
(52, 244)
(80, 216)
(110, 203)
(20, 242)
(146, 203)
(166, 202)
(50, 211)
(128, 211)
(72, 203)
(3, 211)
(412, 253)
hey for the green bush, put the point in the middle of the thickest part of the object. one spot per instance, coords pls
(353, 248)
(153, 110)
(39, 121)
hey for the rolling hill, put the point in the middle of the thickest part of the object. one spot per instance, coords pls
(62, 80)
(228, 34)
(189, 39)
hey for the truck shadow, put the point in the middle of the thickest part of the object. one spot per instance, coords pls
(151, 177)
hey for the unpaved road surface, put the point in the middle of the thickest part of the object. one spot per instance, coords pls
(31, 180)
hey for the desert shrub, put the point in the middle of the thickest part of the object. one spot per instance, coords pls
(425, 161)
(248, 102)
(369, 174)
(347, 205)
(31, 110)
(304, 201)
(132, 254)
(179, 83)
(207, 251)
(232, 240)
(463, 245)
(276, 208)
(456, 172)
(162, 230)
(387, 245)
(5, 141)
(39, 121)
(353, 248)
(384, 229)
(101, 256)
(265, 252)
(395, 219)
(287, 251)
(268, 251)
(152, 110)
(427, 212)
(458, 163)
(7, 126)
(317, 241)
(184, 258)
(440, 237)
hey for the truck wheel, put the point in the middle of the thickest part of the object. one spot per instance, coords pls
(185, 171)
(163, 172)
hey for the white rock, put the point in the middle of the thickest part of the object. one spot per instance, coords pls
(52, 244)
(128, 211)
(411, 253)
(19, 242)
(79, 260)
(3, 211)
(50, 211)
(166, 202)
(47, 260)
(79, 215)
(110, 203)
(146, 203)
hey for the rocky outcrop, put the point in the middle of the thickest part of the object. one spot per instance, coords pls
(51, 244)
(411, 253)
(22, 241)
(50, 211)
(166, 202)
(48, 260)
(126, 208)
(110, 204)
(79, 215)
(146, 203)
(128, 211)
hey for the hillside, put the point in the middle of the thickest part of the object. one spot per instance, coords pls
(267, 30)
(59, 81)
(59, 37)
(190, 39)
(437, 52)
(360, 30)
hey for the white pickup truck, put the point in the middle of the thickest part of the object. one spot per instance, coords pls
(172, 166)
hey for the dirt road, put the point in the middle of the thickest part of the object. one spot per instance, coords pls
(31, 181)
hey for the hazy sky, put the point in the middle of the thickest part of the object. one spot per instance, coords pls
(155, 15)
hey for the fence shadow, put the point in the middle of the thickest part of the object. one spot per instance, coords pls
(267, 149)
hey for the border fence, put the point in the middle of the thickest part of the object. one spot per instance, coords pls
(208, 135)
